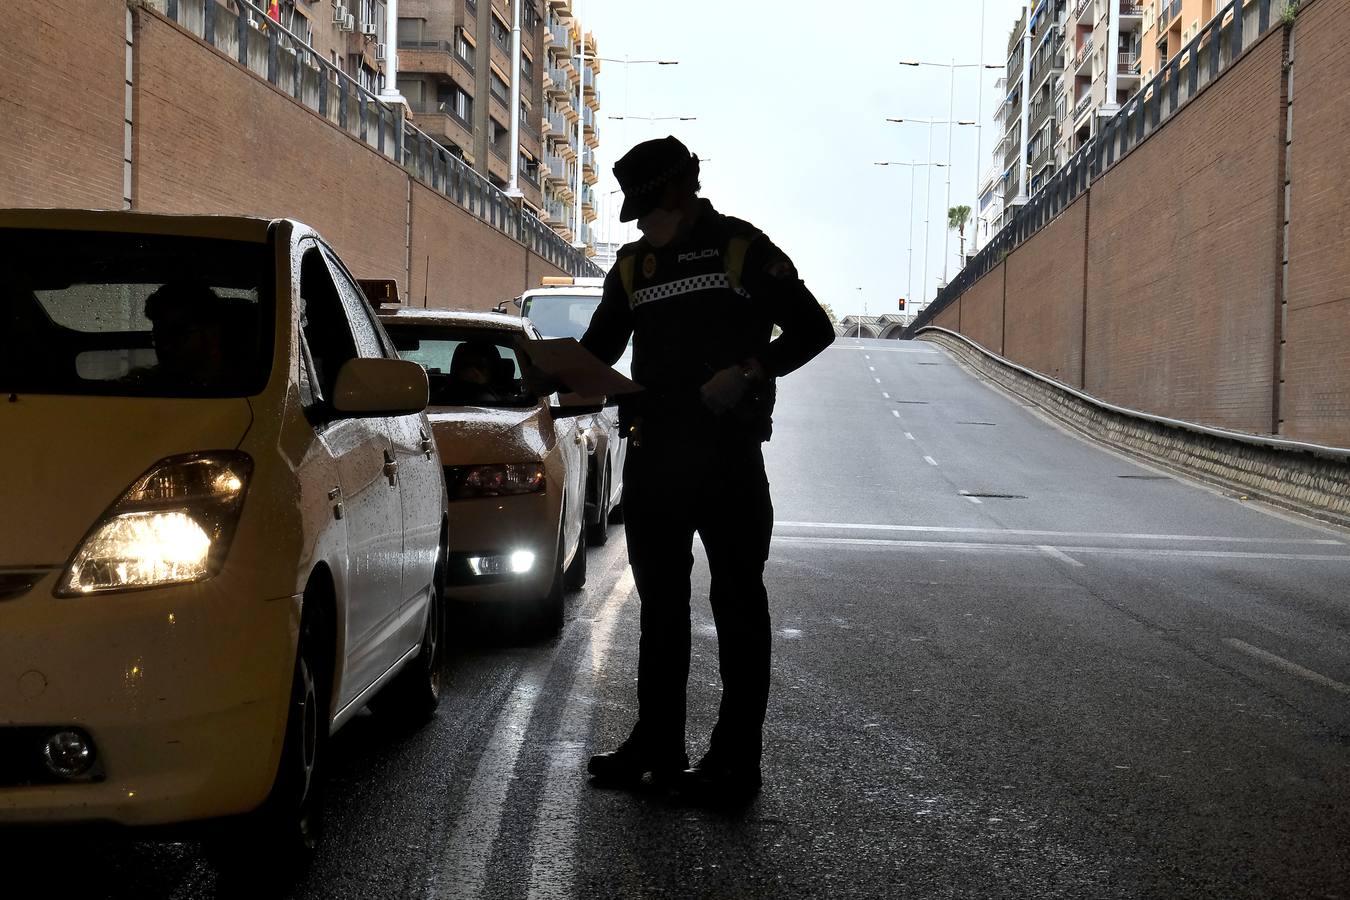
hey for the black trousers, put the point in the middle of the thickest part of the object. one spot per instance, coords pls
(718, 489)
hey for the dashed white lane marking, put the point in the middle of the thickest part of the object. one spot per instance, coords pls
(1293, 668)
(990, 547)
(552, 863)
(867, 356)
(877, 380)
(838, 346)
(1022, 532)
(871, 368)
(896, 413)
(930, 460)
(886, 395)
(1060, 555)
(908, 436)
(976, 500)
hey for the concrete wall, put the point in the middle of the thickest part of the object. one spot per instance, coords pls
(210, 137)
(62, 103)
(1043, 321)
(982, 310)
(1183, 257)
(1164, 288)
(1316, 395)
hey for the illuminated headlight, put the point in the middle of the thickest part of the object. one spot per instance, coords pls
(507, 479)
(172, 526)
(517, 563)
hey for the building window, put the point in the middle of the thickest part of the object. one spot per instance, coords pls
(410, 30)
(498, 88)
(463, 48)
(526, 69)
(501, 35)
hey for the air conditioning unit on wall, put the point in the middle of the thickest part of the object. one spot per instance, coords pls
(381, 52)
(349, 23)
(369, 29)
(339, 14)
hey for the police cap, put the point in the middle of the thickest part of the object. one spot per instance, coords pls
(644, 171)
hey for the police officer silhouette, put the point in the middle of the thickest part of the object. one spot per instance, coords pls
(700, 294)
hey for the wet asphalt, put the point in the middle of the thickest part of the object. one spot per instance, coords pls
(1007, 663)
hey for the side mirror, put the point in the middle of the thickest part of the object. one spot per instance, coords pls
(380, 388)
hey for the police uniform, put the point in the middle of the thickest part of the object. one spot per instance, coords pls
(705, 302)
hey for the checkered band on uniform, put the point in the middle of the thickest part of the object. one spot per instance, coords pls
(709, 282)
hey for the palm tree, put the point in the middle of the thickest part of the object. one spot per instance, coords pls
(957, 218)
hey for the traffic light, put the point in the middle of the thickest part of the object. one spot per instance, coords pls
(902, 304)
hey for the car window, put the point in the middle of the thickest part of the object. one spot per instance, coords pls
(561, 315)
(135, 314)
(364, 329)
(465, 367)
(323, 324)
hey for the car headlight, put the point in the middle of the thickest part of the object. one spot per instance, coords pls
(172, 526)
(463, 482)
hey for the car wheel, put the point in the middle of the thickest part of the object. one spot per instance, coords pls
(597, 532)
(415, 692)
(282, 834)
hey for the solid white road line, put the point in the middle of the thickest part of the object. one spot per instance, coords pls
(989, 547)
(464, 860)
(930, 460)
(1060, 555)
(896, 413)
(838, 346)
(552, 862)
(976, 500)
(1023, 532)
(1293, 668)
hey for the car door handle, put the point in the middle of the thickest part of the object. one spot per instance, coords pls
(428, 445)
(335, 497)
(390, 467)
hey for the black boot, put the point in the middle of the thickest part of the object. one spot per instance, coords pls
(719, 780)
(626, 765)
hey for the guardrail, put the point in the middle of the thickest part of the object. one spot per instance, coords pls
(281, 58)
(1207, 56)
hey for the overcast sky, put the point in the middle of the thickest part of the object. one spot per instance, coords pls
(791, 98)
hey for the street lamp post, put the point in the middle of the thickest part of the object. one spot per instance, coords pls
(912, 166)
(951, 111)
(928, 191)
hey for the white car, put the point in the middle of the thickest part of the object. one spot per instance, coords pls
(515, 462)
(563, 307)
(224, 521)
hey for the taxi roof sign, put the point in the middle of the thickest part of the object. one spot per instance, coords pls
(567, 281)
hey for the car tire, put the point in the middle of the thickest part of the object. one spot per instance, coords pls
(281, 835)
(597, 532)
(415, 692)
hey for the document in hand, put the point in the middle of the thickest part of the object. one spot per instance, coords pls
(579, 370)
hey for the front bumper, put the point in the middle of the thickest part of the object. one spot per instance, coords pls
(183, 690)
(497, 526)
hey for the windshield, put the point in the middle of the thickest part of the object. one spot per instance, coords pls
(560, 315)
(134, 315)
(466, 367)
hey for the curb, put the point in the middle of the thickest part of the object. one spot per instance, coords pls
(1309, 479)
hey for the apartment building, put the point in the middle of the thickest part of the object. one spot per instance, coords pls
(1046, 107)
(454, 70)
(1170, 25)
(1010, 149)
(348, 33)
(1103, 43)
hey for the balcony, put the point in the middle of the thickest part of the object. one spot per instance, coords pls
(1078, 10)
(440, 121)
(1083, 55)
(1083, 105)
(1128, 64)
(434, 58)
(1130, 10)
(1040, 112)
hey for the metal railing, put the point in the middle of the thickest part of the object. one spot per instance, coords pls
(1209, 54)
(1126, 63)
(1084, 102)
(1083, 51)
(278, 56)
(1131, 9)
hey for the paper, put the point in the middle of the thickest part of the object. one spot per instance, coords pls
(580, 371)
